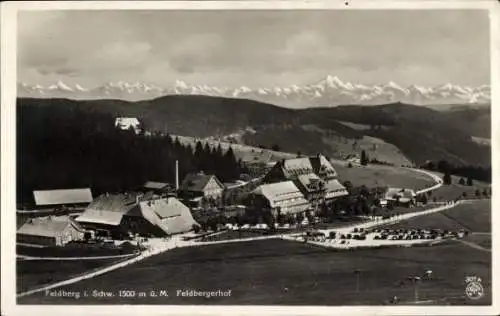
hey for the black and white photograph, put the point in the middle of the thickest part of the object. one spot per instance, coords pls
(238, 154)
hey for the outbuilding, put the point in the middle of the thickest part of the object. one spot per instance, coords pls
(49, 231)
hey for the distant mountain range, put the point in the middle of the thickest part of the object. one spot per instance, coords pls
(330, 91)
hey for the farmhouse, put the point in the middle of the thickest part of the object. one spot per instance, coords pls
(68, 198)
(197, 187)
(164, 216)
(143, 214)
(127, 123)
(279, 198)
(401, 197)
(49, 231)
(105, 213)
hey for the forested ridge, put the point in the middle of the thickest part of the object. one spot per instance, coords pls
(65, 146)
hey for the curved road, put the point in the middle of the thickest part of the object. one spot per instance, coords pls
(435, 177)
(176, 241)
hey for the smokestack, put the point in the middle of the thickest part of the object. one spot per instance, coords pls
(177, 175)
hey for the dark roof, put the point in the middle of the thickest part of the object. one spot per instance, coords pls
(69, 196)
(295, 167)
(156, 185)
(310, 182)
(115, 202)
(197, 182)
(109, 209)
(404, 194)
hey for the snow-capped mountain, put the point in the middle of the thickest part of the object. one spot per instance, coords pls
(329, 91)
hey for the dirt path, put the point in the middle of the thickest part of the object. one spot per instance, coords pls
(473, 245)
(75, 258)
(177, 242)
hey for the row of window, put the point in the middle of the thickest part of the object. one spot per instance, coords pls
(278, 202)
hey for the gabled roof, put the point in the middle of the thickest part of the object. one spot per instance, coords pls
(166, 207)
(198, 181)
(404, 194)
(295, 167)
(46, 227)
(156, 185)
(323, 167)
(109, 209)
(334, 189)
(169, 214)
(115, 202)
(333, 185)
(279, 191)
(100, 217)
(309, 181)
(68, 196)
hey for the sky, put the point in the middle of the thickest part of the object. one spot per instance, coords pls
(254, 48)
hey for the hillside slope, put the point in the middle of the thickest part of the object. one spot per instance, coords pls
(420, 133)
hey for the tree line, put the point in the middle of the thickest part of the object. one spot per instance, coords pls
(470, 172)
(70, 146)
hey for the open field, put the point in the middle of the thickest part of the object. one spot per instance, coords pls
(74, 251)
(379, 175)
(375, 148)
(474, 216)
(36, 273)
(483, 240)
(371, 175)
(288, 273)
(454, 190)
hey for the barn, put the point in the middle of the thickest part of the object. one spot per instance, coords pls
(144, 214)
(66, 198)
(49, 231)
(105, 214)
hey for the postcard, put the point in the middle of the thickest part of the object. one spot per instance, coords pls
(244, 157)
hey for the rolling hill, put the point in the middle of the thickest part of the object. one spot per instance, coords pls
(419, 133)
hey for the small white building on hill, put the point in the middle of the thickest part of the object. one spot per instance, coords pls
(126, 123)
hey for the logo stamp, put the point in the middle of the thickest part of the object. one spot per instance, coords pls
(474, 288)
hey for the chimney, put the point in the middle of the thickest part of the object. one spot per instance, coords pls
(177, 175)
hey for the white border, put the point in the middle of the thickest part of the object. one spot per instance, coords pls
(8, 121)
